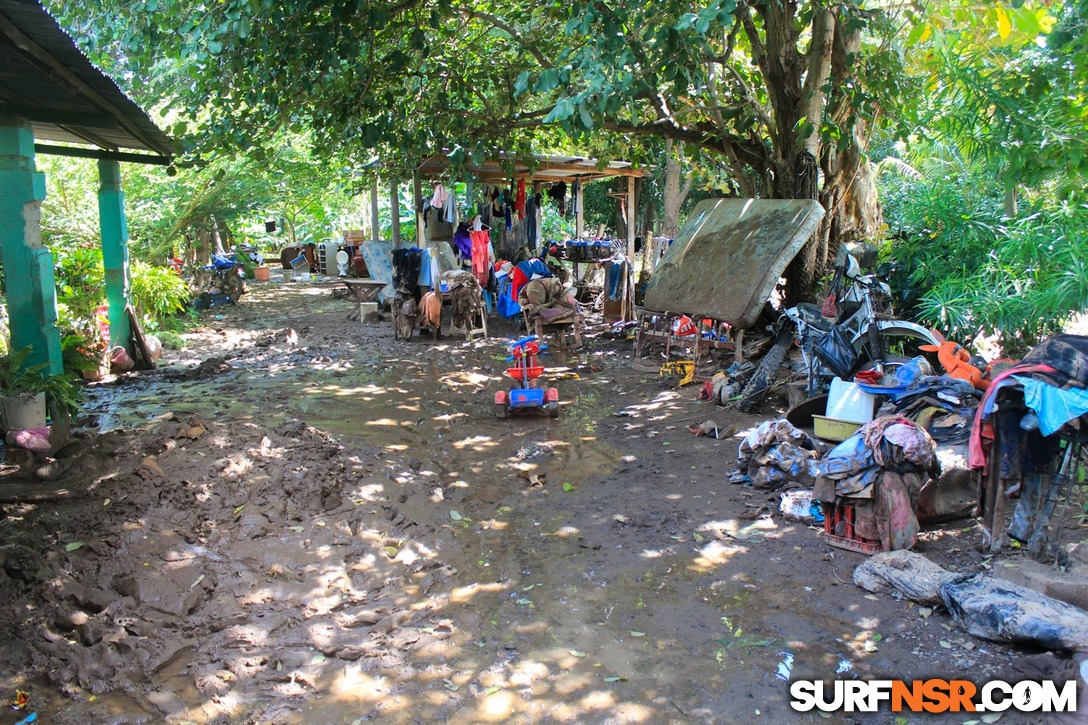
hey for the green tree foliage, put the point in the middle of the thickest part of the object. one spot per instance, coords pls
(763, 86)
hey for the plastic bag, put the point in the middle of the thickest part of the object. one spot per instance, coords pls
(836, 352)
(908, 574)
(1001, 611)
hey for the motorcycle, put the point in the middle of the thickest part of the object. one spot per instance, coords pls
(219, 282)
(860, 332)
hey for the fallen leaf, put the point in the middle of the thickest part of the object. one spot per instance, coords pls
(872, 598)
(106, 502)
(391, 551)
(992, 717)
(619, 518)
(877, 637)
(296, 529)
(925, 612)
(317, 659)
(946, 644)
(528, 588)
(637, 634)
(615, 679)
(577, 653)
(492, 690)
(73, 545)
(567, 486)
(455, 515)
(698, 538)
(238, 509)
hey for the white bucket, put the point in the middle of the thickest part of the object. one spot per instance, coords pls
(846, 401)
(21, 412)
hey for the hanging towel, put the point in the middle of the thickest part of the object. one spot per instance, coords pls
(481, 263)
(438, 201)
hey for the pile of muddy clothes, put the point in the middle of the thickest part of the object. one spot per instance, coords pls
(880, 471)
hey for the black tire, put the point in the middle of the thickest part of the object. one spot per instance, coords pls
(765, 374)
(553, 410)
(501, 411)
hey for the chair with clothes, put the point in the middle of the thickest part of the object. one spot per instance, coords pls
(550, 309)
(466, 300)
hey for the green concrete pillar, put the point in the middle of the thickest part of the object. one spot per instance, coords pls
(28, 266)
(111, 214)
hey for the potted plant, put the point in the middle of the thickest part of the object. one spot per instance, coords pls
(85, 353)
(27, 390)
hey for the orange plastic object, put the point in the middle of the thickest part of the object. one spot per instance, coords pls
(530, 372)
(954, 359)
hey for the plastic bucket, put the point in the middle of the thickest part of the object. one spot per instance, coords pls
(262, 274)
(847, 401)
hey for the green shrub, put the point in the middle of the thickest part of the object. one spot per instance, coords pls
(969, 270)
(170, 340)
(158, 293)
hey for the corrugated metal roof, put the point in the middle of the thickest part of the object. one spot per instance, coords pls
(47, 80)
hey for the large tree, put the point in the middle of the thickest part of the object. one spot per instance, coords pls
(783, 94)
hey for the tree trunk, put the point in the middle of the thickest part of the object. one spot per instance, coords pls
(674, 193)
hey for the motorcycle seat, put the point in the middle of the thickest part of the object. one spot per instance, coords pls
(812, 315)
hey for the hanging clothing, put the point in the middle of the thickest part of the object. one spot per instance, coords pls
(450, 212)
(508, 217)
(482, 256)
(519, 200)
(558, 193)
(406, 267)
(424, 279)
(462, 242)
(531, 231)
(428, 270)
(575, 192)
(438, 200)
(617, 272)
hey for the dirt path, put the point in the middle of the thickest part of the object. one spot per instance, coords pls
(300, 520)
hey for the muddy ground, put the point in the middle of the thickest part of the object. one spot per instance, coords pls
(297, 519)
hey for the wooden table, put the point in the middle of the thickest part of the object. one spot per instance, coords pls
(362, 290)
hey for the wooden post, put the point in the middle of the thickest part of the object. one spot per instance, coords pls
(394, 211)
(375, 225)
(417, 201)
(629, 288)
(579, 214)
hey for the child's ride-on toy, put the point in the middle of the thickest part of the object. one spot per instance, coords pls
(526, 369)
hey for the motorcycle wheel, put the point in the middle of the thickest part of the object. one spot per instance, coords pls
(765, 374)
(896, 344)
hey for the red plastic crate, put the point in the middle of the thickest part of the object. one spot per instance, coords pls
(839, 529)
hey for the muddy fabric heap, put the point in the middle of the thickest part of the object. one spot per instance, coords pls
(465, 298)
(547, 298)
(880, 470)
(774, 454)
(943, 406)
